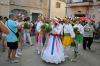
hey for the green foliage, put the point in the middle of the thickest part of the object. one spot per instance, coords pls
(76, 31)
(47, 28)
(26, 25)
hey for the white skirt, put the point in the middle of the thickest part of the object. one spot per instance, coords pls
(53, 51)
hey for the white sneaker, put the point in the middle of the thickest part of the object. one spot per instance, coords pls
(19, 53)
(38, 52)
(14, 61)
(73, 60)
(66, 56)
(17, 56)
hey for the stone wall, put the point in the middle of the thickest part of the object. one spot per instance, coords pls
(31, 6)
(90, 11)
(4, 7)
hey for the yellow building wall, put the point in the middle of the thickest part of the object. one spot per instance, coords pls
(57, 12)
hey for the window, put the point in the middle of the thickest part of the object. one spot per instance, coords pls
(79, 15)
(58, 5)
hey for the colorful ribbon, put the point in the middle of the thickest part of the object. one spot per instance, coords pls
(39, 39)
(52, 50)
(57, 41)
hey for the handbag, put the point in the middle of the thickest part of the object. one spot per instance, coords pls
(16, 34)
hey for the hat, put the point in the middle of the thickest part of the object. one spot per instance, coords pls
(65, 19)
(55, 20)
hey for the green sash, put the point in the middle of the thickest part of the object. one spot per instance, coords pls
(67, 34)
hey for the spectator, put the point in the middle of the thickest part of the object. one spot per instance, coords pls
(26, 28)
(12, 40)
(88, 35)
(3, 28)
(3, 38)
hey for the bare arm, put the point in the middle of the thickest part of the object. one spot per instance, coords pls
(3, 28)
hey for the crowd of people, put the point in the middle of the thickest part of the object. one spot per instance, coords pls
(53, 36)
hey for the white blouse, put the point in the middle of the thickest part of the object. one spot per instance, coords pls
(69, 29)
(80, 28)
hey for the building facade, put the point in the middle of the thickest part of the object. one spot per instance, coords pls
(4, 7)
(57, 8)
(80, 8)
(31, 8)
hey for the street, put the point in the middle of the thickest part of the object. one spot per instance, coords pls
(31, 58)
(30, 22)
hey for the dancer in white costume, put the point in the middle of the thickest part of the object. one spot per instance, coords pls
(39, 35)
(53, 51)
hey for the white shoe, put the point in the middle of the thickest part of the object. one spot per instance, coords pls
(14, 61)
(19, 53)
(17, 56)
(73, 50)
(73, 60)
(66, 56)
(38, 52)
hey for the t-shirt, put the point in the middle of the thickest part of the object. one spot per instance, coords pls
(88, 31)
(11, 37)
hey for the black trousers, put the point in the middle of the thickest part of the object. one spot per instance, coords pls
(87, 42)
(44, 39)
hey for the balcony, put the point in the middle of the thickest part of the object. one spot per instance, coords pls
(81, 3)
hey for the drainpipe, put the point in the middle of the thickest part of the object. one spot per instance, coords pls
(49, 14)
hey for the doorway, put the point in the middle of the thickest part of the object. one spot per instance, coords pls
(79, 15)
(35, 16)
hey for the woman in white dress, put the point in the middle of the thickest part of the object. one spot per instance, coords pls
(53, 52)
